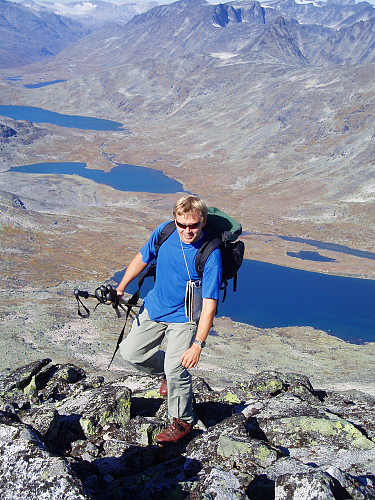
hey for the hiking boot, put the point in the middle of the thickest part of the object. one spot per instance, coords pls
(176, 431)
(164, 388)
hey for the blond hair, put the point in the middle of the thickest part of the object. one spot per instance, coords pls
(189, 204)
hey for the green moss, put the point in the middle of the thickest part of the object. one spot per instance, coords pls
(271, 386)
(326, 427)
(88, 426)
(232, 398)
(262, 454)
(31, 389)
(154, 393)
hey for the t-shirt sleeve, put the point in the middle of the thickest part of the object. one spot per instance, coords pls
(211, 280)
(148, 251)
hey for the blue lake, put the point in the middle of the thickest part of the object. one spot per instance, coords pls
(39, 115)
(121, 177)
(42, 84)
(270, 296)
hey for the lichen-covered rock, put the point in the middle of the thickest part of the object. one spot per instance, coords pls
(313, 485)
(221, 485)
(270, 383)
(21, 377)
(45, 420)
(355, 406)
(97, 407)
(286, 421)
(308, 430)
(241, 453)
(29, 470)
(268, 438)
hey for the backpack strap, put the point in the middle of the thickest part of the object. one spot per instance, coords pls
(210, 242)
(151, 269)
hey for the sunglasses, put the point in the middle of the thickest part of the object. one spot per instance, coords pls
(190, 226)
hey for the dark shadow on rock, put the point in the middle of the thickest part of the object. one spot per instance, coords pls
(145, 407)
(213, 412)
(321, 395)
(141, 472)
(261, 488)
(70, 430)
(254, 430)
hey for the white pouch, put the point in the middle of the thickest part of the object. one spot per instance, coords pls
(193, 300)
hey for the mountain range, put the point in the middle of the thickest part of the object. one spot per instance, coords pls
(271, 115)
(315, 33)
(93, 13)
(27, 35)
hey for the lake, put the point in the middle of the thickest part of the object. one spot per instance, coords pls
(121, 177)
(42, 84)
(270, 296)
(40, 115)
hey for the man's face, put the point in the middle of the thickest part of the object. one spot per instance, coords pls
(189, 226)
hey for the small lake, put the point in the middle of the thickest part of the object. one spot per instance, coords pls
(270, 296)
(40, 115)
(121, 177)
(42, 84)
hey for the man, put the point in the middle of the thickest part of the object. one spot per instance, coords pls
(163, 314)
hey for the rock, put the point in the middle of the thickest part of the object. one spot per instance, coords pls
(291, 423)
(315, 484)
(45, 420)
(273, 437)
(29, 470)
(97, 407)
(221, 485)
(21, 377)
(242, 452)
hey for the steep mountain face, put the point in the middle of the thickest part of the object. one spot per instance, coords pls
(95, 13)
(248, 30)
(331, 14)
(28, 36)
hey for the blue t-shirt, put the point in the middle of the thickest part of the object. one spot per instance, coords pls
(166, 301)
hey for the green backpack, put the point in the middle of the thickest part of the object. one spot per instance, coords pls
(221, 231)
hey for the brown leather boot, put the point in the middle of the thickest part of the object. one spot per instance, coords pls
(164, 388)
(176, 431)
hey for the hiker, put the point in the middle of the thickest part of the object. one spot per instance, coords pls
(163, 314)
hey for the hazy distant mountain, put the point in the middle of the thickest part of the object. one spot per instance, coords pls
(93, 13)
(331, 14)
(27, 36)
(246, 29)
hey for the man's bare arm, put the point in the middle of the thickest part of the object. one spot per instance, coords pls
(135, 268)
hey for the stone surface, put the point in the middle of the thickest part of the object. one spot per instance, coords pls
(275, 437)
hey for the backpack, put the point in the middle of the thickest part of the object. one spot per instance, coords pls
(221, 231)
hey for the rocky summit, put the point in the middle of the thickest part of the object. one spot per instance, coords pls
(69, 434)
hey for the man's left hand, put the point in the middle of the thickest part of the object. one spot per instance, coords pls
(190, 358)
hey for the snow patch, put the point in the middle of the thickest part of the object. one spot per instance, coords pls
(223, 55)
(366, 195)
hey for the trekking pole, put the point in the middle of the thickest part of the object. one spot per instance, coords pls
(104, 294)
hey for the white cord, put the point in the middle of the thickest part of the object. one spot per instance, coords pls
(182, 248)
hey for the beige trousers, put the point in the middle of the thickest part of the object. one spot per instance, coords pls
(142, 350)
